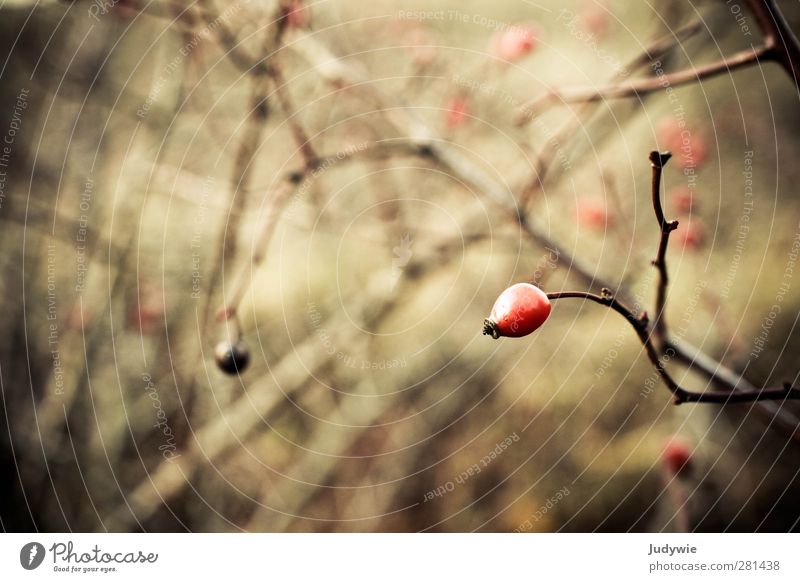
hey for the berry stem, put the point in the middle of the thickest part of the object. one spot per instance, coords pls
(680, 395)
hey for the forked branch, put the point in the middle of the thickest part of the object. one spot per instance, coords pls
(646, 332)
(680, 395)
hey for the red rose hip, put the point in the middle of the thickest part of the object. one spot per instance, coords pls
(521, 309)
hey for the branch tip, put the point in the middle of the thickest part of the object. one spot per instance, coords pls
(659, 159)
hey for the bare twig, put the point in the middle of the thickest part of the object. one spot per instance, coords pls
(680, 395)
(234, 51)
(271, 214)
(653, 51)
(641, 87)
(783, 44)
(242, 169)
(300, 136)
(289, 374)
(546, 154)
(657, 160)
(337, 72)
(780, 45)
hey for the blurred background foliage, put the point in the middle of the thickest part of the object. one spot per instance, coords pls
(371, 392)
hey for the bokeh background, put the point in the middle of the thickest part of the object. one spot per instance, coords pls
(144, 155)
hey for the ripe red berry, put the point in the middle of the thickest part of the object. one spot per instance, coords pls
(513, 43)
(677, 456)
(457, 111)
(519, 310)
(232, 358)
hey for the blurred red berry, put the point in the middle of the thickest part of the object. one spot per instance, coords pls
(146, 310)
(594, 214)
(519, 310)
(694, 153)
(688, 148)
(126, 9)
(681, 199)
(513, 43)
(594, 19)
(677, 456)
(691, 234)
(79, 318)
(296, 14)
(456, 112)
(668, 134)
(420, 46)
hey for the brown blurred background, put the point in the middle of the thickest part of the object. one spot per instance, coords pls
(141, 159)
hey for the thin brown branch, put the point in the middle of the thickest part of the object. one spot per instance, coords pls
(657, 160)
(272, 212)
(240, 178)
(337, 73)
(780, 45)
(641, 87)
(680, 395)
(234, 51)
(778, 36)
(547, 154)
(310, 158)
(654, 51)
(243, 416)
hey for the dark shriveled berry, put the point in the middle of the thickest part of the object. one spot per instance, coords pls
(232, 358)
